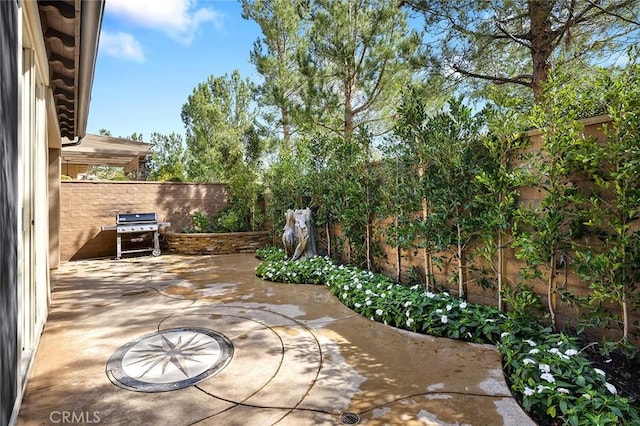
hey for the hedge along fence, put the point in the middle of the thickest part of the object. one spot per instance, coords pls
(86, 205)
(556, 281)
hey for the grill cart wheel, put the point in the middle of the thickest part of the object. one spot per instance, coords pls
(156, 252)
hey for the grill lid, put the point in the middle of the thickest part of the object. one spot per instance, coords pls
(123, 218)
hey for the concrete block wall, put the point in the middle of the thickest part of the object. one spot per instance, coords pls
(87, 205)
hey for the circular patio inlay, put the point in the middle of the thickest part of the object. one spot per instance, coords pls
(169, 359)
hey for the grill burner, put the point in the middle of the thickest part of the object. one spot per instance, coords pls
(135, 228)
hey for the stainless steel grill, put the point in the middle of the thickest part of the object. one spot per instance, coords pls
(137, 233)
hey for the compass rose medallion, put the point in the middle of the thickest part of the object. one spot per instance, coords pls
(169, 359)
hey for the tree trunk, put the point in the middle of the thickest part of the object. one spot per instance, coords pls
(462, 293)
(398, 255)
(368, 228)
(327, 229)
(551, 291)
(286, 130)
(368, 242)
(428, 266)
(625, 315)
(500, 271)
(542, 39)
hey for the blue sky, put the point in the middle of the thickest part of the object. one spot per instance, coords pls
(154, 52)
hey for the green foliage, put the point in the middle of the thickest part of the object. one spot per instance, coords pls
(516, 44)
(200, 222)
(557, 382)
(307, 271)
(446, 149)
(275, 57)
(611, 260)
(358, 53)
(219, 123)
(167, 159)
(270, 254)
(544, 233)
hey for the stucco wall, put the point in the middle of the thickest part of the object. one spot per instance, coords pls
(8, 208)
(87, 205)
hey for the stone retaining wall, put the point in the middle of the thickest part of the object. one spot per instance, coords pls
(218, 243)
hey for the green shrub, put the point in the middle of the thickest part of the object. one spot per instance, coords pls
(270, 253)
(200, 222)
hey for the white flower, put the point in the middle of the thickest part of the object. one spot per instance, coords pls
(438, 311)
(534, 351)
(415, 287)
(586, 396)
(563, 390)
(531, 342)
(489, 320)
(542, 388)
(368, 302)
(383, 295)
(463, 305)
(379, 312)
(368, 292)
(545, 368)
(344, 295)
(357, 305)
(504, 333)
(407, 304)
(554, 351)
(408, 313)
(346, 287)
(600, 372)
(571, 352)
(444, 319)
(528, 361)
(548, 377)
(409, 322)
(359, 286)
(611, 388)
(430, 295)
(528, 391)
(449, 307)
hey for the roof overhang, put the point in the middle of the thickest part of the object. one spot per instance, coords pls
(105, 151)
(71, 30)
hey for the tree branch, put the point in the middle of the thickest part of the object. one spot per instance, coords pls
(524, 79)
(613, 13)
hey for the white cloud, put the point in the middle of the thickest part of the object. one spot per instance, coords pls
(121, 45)
(179, 19)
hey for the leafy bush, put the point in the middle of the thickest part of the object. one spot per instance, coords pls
(546, 370)
(270, 253)
(308, 271)
(556, 381)
(200, 222)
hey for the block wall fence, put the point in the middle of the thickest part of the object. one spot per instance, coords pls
(87, 205)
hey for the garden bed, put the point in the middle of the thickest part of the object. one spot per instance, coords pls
(215, 243)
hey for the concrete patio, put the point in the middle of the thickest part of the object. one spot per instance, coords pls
(298, 356)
